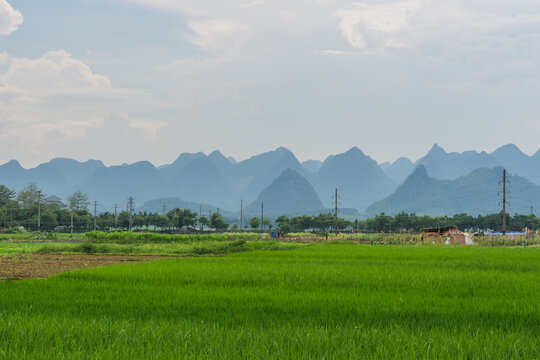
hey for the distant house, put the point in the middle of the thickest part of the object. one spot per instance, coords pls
(55, 200)
(448, 235)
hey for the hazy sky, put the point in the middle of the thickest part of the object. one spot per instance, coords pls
(128, 80)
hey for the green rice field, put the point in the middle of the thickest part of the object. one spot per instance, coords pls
(317, 301)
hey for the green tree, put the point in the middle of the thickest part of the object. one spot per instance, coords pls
(185, 217)
(48, 219)
(78, 201)
(138, 221)
(254, 223)
(203, 221)
(30, 195)
(283, 224)
(6, 195)
(163, 222)
(123, 220)
(217, 221)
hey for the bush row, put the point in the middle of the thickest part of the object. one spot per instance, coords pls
(152, 238)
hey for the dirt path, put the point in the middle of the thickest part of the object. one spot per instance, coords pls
(19, 267)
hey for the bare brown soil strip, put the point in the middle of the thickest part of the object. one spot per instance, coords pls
(19, 267)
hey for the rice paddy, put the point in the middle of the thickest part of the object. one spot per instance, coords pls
(332, 301)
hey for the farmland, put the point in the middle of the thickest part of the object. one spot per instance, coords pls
(333, 300)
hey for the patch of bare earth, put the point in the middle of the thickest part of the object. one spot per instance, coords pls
(19, 267)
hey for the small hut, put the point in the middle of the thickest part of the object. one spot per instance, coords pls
(448, 235)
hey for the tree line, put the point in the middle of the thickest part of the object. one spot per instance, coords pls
(27, 209)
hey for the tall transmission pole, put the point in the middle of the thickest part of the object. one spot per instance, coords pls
(164, 209)
(200, 216)
(39, 212)
(504, 203)
(262, 218)
(335, 213)
(115, 216)
(131, 206)
(241, 217)
(95, 215)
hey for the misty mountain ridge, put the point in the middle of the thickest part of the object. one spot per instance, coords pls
(359, 179)
(289, 193)
(216, 179)
(476, 194)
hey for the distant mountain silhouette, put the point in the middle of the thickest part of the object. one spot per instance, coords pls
(223, 182)
(200, 181)
(59, 176)
(264, 168)
(518, 163)
(172, 170)
(399, 170)
(312, 165)
(359, 179)
(289, 193)
(113, 185)
(474, 194)
(74, 172)
(442, 165)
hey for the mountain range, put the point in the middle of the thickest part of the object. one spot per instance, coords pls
(221, 182)
(477, 193)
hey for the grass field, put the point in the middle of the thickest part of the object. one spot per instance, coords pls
(319, 301)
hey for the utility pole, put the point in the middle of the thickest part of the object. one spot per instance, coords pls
(335, 214)
(200, 216)
(130, 205)
(164, 209)
(504, 202)
(71, 222)
(95, 215)
(262, 218)
(241, 217)
(39, 212)
(115, 216)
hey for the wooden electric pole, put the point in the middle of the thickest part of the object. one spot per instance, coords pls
(241, 217)
(39, 212)
(262, 218)
(504, 202)
(95, 215)
(131, 206)
(115, 216)
(335, 214)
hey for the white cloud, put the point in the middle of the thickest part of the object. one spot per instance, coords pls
(268, 65)
(428, 26)
(55, 72)
(313, 68)
(10, 19)
(367, 26)
(58, 94)
(4, 58)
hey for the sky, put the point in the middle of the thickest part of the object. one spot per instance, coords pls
(129, 80)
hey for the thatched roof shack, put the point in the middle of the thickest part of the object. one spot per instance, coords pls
(448, 235)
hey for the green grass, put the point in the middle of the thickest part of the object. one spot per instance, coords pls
(334, 301)
(192, 248)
